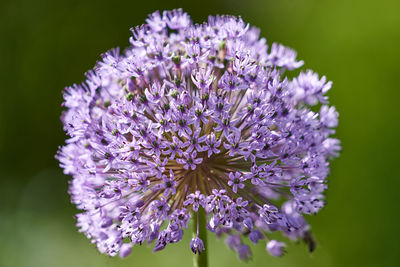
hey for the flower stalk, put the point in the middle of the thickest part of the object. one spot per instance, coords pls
(199, 230)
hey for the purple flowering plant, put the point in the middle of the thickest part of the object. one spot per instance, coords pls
(197, 122)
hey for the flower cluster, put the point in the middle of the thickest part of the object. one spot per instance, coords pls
(197, 116)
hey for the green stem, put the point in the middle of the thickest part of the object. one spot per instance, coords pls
(200, 259)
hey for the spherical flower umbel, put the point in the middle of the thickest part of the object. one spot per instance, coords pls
(197, 118)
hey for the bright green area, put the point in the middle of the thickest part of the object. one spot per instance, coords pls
(46, 45)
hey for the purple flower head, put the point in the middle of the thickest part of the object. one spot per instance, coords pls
(284, 57)
(174, 148)
(226, 125)
(233, 241)
(155, 22)
(196, 245)
(275, 248)
(200, 114)
(329, 116)
(244, 252)
(194, 142)
(212, 145)
(139, 181)
(169, 184)
(177, 19)
(160, 207)
(235, 180)
(231, 82)
(195, 199)
(255, 235)
(308, 88)
(197, 118)
(125, 250)
(202, 79)
(190, 161)
(180, 217)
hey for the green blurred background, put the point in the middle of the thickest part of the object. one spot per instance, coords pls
(46, 45)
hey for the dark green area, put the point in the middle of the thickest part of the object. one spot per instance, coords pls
(46, 45)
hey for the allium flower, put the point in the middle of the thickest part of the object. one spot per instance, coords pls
(197, 118)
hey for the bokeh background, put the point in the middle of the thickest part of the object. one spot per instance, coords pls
(46, 45)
